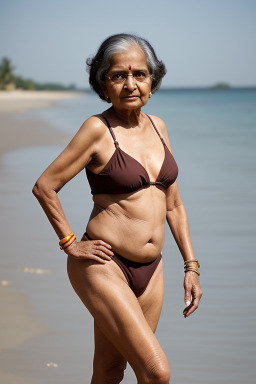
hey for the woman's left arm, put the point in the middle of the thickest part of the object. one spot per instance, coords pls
(177, 219)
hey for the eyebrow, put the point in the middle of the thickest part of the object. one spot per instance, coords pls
(127, 70)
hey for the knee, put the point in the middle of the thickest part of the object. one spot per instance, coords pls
(158, 373)
(109, 372)
(160, 376)
(115, 373)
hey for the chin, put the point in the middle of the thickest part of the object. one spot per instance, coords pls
(133, 103)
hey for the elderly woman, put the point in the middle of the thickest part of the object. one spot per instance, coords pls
(116, 268)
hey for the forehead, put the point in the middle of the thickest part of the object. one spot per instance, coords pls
(134, 57)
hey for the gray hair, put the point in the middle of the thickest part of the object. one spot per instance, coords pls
(98, 65)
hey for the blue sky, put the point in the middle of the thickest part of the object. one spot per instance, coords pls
(202, 42)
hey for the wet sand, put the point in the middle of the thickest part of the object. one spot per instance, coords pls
(17, 321)
(19, 132)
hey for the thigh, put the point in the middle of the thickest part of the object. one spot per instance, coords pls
(116, 310)
(151, 301)
(106, 357)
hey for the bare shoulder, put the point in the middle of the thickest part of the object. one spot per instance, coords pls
(89, 135)
(93, 127)
(87, 141)
(161, 127)
(159, 123)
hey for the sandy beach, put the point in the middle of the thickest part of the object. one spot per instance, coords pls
(46, 335)
(17, 323)
(21, 101)
(17, 132)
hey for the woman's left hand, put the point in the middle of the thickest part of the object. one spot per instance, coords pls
(193, 293)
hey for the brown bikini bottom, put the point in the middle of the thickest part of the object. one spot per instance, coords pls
(137, 275)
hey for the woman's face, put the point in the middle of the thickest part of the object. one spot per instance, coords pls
(128, 82)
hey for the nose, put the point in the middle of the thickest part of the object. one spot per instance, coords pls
(130, 82)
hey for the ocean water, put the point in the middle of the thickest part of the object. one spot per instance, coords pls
(213, 137)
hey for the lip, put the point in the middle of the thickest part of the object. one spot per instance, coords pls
(131, 97)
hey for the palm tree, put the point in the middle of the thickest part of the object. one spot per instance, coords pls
(6, 74)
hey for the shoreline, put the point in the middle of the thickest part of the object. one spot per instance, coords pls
(17, 131)
(18, 323)
(22, 101)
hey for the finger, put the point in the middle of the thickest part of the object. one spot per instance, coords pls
(102, 254)
(187, 297)
(185, 310)
(189, 310)
(101, 242)
(187, 300)
(105, 250)
(100, 260)
(93, 258)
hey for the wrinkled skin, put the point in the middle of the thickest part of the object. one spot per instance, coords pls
(132, 224)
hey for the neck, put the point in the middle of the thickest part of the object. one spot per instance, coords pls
(131, 118)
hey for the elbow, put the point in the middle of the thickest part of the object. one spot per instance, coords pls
(36, 190)
(40, 189)
(174, 205)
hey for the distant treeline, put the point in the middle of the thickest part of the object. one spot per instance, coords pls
(29, 84)
(9, 81)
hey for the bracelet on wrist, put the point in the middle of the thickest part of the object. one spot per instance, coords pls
(67, 241)
(191, 266)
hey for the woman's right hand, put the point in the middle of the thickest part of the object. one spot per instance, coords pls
(86, 249)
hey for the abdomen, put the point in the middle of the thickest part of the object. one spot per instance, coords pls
(133, 225)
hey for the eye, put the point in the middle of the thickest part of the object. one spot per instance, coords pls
(140, 75)
(118, 77)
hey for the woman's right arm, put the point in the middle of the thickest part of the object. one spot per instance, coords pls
(69, 163)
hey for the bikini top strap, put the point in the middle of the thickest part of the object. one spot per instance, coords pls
(152, 122)
(111, 131)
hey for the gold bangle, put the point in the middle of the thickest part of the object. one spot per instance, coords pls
(66, 239)
(192, 270)
(191, 266)
(188, 262)
(69, 242)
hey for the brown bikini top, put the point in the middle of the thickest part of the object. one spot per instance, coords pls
(124, 174)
